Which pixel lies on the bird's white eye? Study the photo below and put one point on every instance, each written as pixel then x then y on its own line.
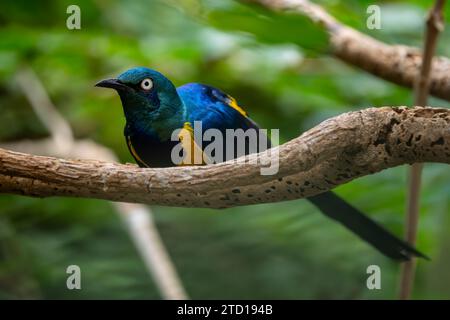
pixel 147 84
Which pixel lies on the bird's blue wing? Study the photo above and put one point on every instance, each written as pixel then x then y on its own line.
pixel 214 108
pixel 218 110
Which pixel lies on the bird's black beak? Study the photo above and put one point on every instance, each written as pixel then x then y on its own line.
pixel 111 83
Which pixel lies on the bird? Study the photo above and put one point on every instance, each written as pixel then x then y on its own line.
pixel 154 108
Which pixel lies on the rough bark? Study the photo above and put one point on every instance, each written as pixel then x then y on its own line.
pixel 334 152
pixel 396 63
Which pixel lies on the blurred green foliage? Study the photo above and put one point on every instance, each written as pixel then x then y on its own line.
pixel 277 67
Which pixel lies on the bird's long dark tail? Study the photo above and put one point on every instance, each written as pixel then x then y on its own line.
pixel 338 209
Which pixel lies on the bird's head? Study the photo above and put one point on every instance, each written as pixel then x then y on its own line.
pixel 146 95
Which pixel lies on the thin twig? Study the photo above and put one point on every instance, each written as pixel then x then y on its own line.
pixel 137 217
pixel 34 91
pixel 434 25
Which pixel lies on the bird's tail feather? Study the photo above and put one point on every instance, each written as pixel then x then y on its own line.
pixel 338 209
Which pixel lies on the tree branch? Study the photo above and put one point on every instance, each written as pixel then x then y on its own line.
pixel 334 152
pixel 395 63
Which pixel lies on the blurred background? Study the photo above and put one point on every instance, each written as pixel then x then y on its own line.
pixel 278 68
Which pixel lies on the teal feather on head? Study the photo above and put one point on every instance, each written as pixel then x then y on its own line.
pixel 150 101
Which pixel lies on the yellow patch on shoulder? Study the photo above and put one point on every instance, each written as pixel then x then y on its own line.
pixel 134 153
pixel 193 153
pixel 233 103
pixel 188 127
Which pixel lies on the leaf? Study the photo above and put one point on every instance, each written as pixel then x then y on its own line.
pixel 270 27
